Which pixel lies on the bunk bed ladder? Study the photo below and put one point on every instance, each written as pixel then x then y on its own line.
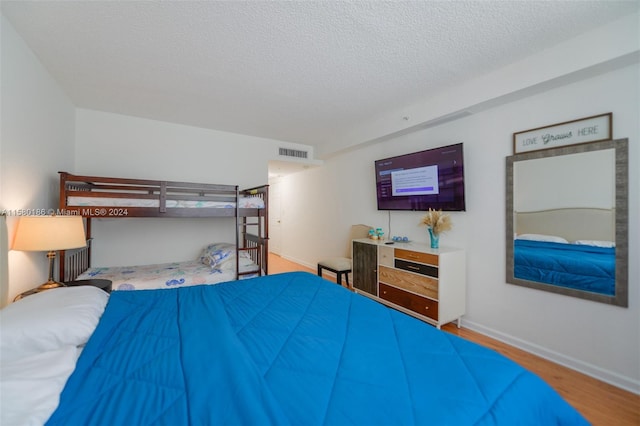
pixel 237 214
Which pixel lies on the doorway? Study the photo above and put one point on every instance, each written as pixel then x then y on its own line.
pixel 275 217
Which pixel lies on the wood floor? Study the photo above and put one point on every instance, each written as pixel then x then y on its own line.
pixel 600 403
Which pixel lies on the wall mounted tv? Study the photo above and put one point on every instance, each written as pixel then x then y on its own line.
pixel 422 180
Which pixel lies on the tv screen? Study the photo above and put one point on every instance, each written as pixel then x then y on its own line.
pixel 431 179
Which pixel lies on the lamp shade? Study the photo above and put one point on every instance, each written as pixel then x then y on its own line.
pixel 49 233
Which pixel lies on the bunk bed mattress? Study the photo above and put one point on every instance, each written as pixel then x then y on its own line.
pixel 243 203
pixel 167 275
pixel 290 349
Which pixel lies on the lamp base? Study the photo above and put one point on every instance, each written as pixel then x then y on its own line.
pixel 50 284
pixel 44 287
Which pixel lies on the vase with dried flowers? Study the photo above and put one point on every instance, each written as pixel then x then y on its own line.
pixel 437 222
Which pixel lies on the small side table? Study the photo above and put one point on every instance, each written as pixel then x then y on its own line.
pixel 101 284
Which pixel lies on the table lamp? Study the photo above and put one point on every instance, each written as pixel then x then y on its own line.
pixel 49 233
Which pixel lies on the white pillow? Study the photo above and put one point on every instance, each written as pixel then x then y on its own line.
pixel 217 255
pixel 541 237
pixel 49 320
pixel 31 386
pixel 595 243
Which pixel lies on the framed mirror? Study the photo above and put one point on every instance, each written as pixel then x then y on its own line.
pixel 567 221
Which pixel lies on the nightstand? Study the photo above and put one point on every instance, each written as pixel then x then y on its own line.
pixel 101 284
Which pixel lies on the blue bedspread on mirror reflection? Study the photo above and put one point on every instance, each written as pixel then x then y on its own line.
pixel 290 349
pixel 579 267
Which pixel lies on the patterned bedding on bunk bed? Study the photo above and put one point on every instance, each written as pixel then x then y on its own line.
pixel 216 264
pixel 290 349
pixel 243 203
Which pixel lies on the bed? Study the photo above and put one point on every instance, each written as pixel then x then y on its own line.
pixel 109 197
pixel 572 248
pixel 281 349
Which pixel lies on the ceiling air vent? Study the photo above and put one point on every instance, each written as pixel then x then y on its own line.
pixel 295 153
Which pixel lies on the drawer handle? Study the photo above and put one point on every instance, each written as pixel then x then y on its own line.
pixel 426 308
pixel 413 256
pixel 415 268
pixel 384 292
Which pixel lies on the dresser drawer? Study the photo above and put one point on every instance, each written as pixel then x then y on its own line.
pixel 416 256
pixel 418 304
pixel 418 268
pixel 420 284
pixel 385 256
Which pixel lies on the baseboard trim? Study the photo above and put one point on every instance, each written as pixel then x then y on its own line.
pixel 313 267
pixel 601 374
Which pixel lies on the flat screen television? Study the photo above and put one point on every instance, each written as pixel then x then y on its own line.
pixel 431 179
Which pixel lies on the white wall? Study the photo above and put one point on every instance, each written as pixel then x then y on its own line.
pixel 599 339
pixel 43 133
pixel 37 140
pixel 123 146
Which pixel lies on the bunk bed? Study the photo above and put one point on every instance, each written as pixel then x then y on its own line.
pixel 109 197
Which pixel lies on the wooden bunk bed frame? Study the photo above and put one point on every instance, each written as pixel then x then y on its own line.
pixel 161 197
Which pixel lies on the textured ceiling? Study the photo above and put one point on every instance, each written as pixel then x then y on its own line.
pixel 304 71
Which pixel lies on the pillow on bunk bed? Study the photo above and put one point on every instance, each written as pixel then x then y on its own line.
pixel 50 320
pixel 221 256
pixel 252 202
pixel 217 253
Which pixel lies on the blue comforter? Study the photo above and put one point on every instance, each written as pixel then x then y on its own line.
pixel 580 267
pixel 290 349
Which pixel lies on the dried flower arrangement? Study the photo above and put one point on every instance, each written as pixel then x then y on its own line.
pixel 437 221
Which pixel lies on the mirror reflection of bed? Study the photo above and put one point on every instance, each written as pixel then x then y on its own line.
pixel 571 247
pixel 567 220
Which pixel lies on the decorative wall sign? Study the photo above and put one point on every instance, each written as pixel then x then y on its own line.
pixel 584 130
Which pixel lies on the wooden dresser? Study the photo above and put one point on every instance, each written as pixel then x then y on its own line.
pixel 427 283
